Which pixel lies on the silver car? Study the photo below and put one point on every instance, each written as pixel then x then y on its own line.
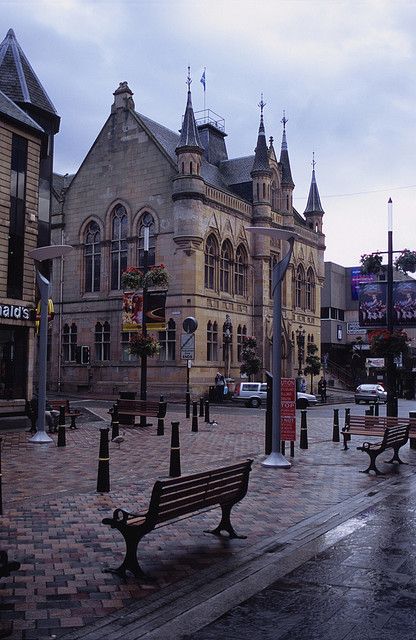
pixel 254 393
pixel 370 393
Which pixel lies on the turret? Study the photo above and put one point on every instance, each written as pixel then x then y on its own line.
pixel 314 211
pixel 287 181
pixel 261 175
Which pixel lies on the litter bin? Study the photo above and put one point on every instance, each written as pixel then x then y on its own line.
pixel 127 395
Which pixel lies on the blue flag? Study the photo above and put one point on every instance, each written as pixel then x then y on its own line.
pixel 203 79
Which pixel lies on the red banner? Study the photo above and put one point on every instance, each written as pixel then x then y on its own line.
pixel 288 409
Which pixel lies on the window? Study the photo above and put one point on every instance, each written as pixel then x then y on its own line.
pixel 92 257
pixel 18 170
pixel 212 341
pixel 147 220
pixel 241 333
pixel 310 290
pixel 126 356
pixel 225 267
pixel 102 341
pixel 69 343
pixel 324 312
pixel 211 253
pixel 118 245
pixel 240 274
pixel 167 340
pixel 299 286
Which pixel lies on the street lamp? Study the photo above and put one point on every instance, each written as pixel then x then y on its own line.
pixel 300 342
pixel 146 222
pixel 227 337
pixel 276 459
pixel 39 255
pixel 391 409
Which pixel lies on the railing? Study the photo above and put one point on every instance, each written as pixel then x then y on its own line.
pixel 344 375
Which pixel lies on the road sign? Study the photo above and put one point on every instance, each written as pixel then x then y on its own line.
pixel 190 325
pixel 188 346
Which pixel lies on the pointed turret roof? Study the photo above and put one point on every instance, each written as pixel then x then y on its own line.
pixel 314 202
pixel 18 80
pixel 261 157
pixel 189 137
pixel 287 179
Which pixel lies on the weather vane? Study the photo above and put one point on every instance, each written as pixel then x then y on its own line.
pixel 188 80
pixel 262 104
pixel 313 160
pixel 284 120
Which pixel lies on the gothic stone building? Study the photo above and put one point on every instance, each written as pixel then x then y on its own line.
pixel 199 203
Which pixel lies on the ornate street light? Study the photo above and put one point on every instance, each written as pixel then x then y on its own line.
pixel 146 222
pixel 276 459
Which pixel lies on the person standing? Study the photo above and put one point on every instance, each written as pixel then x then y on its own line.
pixel 322 389
pixel 219 386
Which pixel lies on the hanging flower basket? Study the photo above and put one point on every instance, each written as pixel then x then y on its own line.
pixel 132 279
pixel 144 345
pixel 384 343
pixel 406 261
pixel 371 263
pixel 157 276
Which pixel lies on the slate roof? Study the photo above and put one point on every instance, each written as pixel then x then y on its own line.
pixel 261 156
pixel 17 78
pixel 284 159
pixel 189 132
pixel 11 111
pixel 314 202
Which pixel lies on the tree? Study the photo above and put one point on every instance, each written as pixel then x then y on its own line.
pixel 313 362
pixel 251 363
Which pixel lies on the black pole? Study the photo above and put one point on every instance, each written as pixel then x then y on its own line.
pixel 303 444
pixel 1 494
pixel 103 478
pixel 175 452
pixel 61 419
pixel 115 424
pixel 195 417
pixel 188 393
pixel 206 410
pixel 335 432
pixel 161 421
pixel 201 407
pixel 143 358
pixel 390 365
pixel 61 436
pixel 268 417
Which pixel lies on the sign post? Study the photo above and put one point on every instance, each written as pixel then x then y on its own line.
pixel 188 353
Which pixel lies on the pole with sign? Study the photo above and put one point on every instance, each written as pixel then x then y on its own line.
pixel 188 353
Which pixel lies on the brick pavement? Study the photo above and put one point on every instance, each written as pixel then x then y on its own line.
pixel 52 514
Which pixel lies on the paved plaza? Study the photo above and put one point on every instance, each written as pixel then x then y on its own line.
pixel 52 516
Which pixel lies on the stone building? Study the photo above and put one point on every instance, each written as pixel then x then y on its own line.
pixel 28 122
pixel 198 203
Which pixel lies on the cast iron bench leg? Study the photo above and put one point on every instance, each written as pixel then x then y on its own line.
pixel 395 457
pixel 130 562
pixel 225 524
pixel 372 466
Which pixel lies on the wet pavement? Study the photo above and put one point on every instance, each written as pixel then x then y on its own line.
pixel 318 528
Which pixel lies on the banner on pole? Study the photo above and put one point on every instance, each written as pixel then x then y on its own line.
pixel 288 410
pixel 133 311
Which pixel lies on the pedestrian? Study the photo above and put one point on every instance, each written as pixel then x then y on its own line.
pixel 322 389
pixel 219 386
pixel 303 385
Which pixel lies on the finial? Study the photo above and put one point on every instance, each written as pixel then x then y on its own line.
pixel 313 160
pixel 271 140
pixel 262 104
pixel 284 120
pixel 188 80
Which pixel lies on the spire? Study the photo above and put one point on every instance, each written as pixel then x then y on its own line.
pixel 18 80
pixel 261 158
pixel 189 133
pixel 314 202
pixel 284 158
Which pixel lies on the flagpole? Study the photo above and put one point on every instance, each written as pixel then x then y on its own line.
pixel 205 106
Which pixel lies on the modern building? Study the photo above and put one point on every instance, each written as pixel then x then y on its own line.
pixel 28 122
pixel 197 203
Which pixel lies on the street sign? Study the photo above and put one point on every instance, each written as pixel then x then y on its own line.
pixel 188 346
pixel 190 325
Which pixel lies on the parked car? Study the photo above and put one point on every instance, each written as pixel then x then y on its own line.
pixel 370 393
pixel 252 394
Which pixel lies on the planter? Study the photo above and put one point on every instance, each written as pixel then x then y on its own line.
pixel 384 343
pixel 406 261
pixel 132 279
pixel 371 263
pixel 141 345
pixel 156 277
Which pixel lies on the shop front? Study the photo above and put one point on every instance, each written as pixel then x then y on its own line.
pixel 16 322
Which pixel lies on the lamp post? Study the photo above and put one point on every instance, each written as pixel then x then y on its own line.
pixel 39 255
pixel 276 459
pixel 390 365
pixel 300 342
pixel 147 221
pixel 228 329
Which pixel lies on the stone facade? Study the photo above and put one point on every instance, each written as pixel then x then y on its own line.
pixel 200 203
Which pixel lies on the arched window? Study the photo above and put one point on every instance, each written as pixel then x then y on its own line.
pixel 300 287
pixel 92 257
pixel 211 254
pixel 69 342
pixel 167 341
pixel 118 245
pixel 310 290
pixel 240 274
pixel 225 267
pixel 241 333
pixel 212 341
pixel 102 341
pixel 147 220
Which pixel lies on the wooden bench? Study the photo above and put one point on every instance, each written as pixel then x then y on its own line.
pixel 151 408
pixel 393 438
pixel 73 414
pixel 6 565
pixel 171 499
pixel 375 426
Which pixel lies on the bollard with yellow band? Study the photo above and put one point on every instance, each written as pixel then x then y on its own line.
pixel 51 314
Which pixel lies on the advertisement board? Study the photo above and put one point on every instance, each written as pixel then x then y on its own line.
pixel 372 304
pixel 288 409
pixel 357 279
pixel 133 311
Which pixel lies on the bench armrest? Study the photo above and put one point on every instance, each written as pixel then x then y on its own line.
pixel 121 516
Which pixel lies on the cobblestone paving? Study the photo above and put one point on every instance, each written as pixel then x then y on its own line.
pixel 52 513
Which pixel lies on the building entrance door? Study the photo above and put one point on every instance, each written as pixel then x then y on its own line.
pixel 13 363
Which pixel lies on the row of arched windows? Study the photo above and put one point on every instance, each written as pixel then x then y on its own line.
pixel 305 288
pixel 225 270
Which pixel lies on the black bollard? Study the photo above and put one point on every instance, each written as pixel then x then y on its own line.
pixel 1 494
pixel 194 417
pixel 412 441
pixel 175 452
pixel 188 404
pixel 61 419
pixel 283 447
pixel 61 436
pixel 206 410
pixel 303 443
pixel 201 407
pixel 115 424
pixel 103 479
pixel 335 432
pixel 347 436
pixel 376 409
pixel 292 448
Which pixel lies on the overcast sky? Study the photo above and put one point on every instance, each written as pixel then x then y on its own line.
pixel 344 72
